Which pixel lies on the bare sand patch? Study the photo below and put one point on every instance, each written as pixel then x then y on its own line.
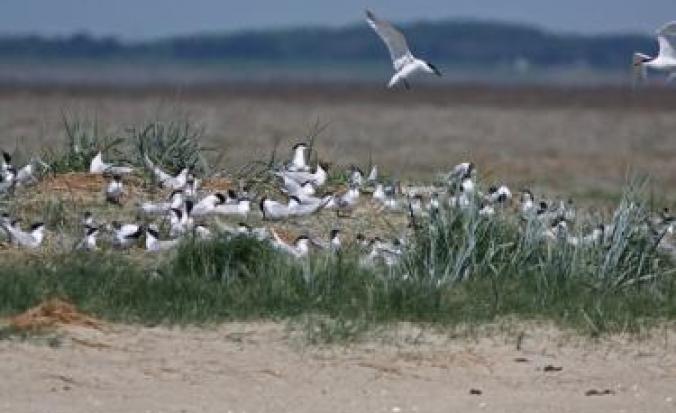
pixel 264 367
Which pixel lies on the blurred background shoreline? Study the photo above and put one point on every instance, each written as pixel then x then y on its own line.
pixel 467 51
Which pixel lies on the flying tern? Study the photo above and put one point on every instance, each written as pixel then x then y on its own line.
pixel 405 64
pixel 665 61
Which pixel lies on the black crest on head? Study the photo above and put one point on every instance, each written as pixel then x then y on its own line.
pixel 37 225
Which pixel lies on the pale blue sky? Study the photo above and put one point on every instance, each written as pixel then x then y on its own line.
pixel 133 19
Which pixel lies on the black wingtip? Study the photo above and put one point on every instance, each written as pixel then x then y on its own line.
pixel 369 14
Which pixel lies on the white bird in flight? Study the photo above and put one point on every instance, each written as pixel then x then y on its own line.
pixel 665 61
pixel 405 64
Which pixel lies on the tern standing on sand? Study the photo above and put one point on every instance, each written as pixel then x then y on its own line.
pixel 405 64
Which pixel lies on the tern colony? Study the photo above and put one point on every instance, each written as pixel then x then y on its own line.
pixel 302 185
pixel 187 209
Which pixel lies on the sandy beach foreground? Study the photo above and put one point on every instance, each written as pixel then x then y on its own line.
pixel 254 367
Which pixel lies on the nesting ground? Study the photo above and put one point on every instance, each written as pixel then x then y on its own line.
pixel 570 143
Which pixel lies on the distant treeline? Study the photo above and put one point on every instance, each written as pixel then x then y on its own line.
pixel 462 42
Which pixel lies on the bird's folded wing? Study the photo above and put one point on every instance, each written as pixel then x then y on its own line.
pixel 393 38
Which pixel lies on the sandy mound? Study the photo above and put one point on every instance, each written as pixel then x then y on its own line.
pixel 53 313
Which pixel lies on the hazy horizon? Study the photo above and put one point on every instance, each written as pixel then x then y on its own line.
pixel 143 19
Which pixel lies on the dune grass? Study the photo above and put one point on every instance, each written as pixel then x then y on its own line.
pixel 459 268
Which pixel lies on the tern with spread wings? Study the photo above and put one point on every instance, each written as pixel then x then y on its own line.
pixel 665 61
pixel 405 64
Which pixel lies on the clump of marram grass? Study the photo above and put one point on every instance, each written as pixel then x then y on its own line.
pixel 174 145
pixel 83 141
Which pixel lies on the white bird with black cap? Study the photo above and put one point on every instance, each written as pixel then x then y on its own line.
pixel 273 210
pixel 308 206
pixel 208 204
pixel 298 162
pixel 125 235
pixel 153 242
pixel 31 239
pixel 665 61
pixel 405 64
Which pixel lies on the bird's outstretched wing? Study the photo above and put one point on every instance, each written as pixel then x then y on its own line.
pixel 393 38
pixel 666 37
